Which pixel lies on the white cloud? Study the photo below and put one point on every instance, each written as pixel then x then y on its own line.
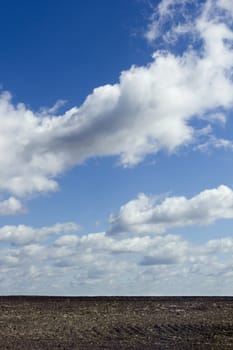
pixel 152 108
pixel 217 143
pixel 96 264
pixel 83 261
pixel 221 245
pixel 21 235
pixel 145 215
pixel 11 206
pixel 218 118
pixel 172 18
pixel 226 5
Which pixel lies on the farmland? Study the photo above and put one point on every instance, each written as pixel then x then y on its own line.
pixel 116 323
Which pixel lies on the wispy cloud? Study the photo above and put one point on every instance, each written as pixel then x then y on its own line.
pixel 215 143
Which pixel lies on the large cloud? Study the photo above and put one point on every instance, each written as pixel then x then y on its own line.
pixel 152 108
pixel 145 215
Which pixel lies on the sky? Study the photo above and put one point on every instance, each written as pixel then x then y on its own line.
pixel 116 147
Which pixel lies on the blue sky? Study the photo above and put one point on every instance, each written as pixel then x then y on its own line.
pixel 116 147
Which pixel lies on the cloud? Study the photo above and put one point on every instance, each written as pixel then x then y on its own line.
pixel 145 215
pixel 96 264
pixel 21 235
pixel 152 108
pixel 217 143
pixel 165 16
pixel 158 260
pixel 82 261
pixel 226 5
pixel 222 245
pixel 11 206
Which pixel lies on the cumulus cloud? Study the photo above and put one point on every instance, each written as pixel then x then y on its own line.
pixel 83 260
pixel 221 245
pixel 11 206
pixel 21 235
pixel 95 263
pixel 151 108
pixel 145 215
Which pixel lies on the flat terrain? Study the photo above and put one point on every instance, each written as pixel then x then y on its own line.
pixel 33 323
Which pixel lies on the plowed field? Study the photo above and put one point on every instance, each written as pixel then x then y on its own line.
pixel 33 323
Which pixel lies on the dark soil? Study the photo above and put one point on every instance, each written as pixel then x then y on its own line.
pixel 140 323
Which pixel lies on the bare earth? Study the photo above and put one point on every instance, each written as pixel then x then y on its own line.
pixel 34 323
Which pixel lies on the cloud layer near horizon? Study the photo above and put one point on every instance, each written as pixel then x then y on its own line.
pixel 60 260
pixel 95 263
pixel 152 108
